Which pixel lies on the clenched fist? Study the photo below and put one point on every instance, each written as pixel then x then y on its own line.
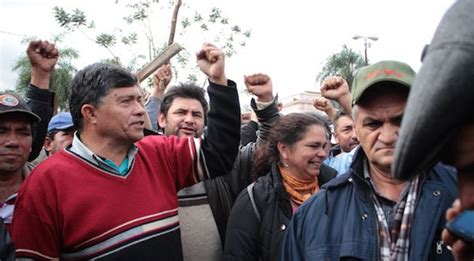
pixel 260 85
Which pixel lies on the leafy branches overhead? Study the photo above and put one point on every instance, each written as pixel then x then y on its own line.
pixel 229 36
pixel 71 20
pixel 142 34
pixel 105 40
pixel 344 64
pixel 139 12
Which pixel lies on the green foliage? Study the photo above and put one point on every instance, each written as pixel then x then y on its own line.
pixel 141 25
pixel 204 27
pixel 230 38
pixel 71 20
pixel 236 29
pixel 344 64
pixel 61 77
pixel 197 17
pixel 185 23
pixel 106 40
pixel 23 67
pixel 215 14
pixel 132 38
pixel 139 12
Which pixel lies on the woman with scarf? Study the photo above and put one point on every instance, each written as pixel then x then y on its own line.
pixel 292 164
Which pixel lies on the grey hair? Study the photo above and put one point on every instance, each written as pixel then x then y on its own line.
pixel 355 112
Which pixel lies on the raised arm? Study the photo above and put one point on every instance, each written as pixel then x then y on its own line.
pixel 265 107
pixel 337 89
pixel 325 105
pixel 221 142
pixel 161 80
pixel 43 56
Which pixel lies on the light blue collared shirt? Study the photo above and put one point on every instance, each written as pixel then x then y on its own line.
pixel 342 162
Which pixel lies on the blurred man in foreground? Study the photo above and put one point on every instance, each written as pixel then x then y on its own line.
pixel 440 114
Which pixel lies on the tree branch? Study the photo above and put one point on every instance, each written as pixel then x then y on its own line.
pixel 174 20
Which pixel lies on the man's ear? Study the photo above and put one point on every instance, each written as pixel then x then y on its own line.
pixel 47 144
pixel 162 120
pixel 88 113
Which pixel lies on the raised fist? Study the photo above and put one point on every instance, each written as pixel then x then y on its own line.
pixel 211 61
pixel 162 77
pixel 323 104
pixel 334 88
pixel 260 85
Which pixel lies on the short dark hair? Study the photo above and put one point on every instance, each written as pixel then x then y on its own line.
pixel 340 114
pixel 93 83
pixel 187 91
pixel 289 129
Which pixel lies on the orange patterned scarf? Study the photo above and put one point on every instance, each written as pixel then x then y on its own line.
pixel 300 190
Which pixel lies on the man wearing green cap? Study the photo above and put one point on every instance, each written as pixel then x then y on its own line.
pixel 366 214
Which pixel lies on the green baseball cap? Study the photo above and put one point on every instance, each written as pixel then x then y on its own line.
pixel 390 71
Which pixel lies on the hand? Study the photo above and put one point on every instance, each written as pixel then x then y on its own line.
pixel 260 85
pixel 334 88
pixel 323 104
pixel 461 249
pixel 162 78
pixel 42 55
pixel 245 117
pixel 211 61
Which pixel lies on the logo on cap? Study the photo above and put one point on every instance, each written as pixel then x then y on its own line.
pixel 8 100
pixel 386 72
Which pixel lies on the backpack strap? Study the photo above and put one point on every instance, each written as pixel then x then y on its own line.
pixel 252 200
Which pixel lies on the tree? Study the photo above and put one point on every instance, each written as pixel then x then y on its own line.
pixel 61 77
pixel 344 64
pixel 136 29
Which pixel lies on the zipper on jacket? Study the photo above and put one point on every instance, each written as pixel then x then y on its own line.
pixel 439 247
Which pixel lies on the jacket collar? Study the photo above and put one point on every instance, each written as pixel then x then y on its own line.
pixel 357 165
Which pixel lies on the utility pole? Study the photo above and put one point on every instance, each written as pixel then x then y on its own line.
pixel 366 44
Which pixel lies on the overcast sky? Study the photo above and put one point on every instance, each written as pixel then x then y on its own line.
pixel 290 39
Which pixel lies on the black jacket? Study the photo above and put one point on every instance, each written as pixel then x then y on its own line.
pixel 249 239
pixel 248 133
pixel 41 103
pixel 223 191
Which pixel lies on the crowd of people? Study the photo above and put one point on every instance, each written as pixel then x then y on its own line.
pixel 180 176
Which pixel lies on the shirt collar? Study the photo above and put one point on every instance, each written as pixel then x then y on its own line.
pixel 374 188
pixel 82 150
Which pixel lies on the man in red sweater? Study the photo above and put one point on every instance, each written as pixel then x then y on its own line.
pixel 111 194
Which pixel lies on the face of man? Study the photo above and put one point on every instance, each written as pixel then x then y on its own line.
pixel 377 125
pixel 185 117
pixel 15 143
pixel 60 140
pixel 345 133
pixel 120 115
